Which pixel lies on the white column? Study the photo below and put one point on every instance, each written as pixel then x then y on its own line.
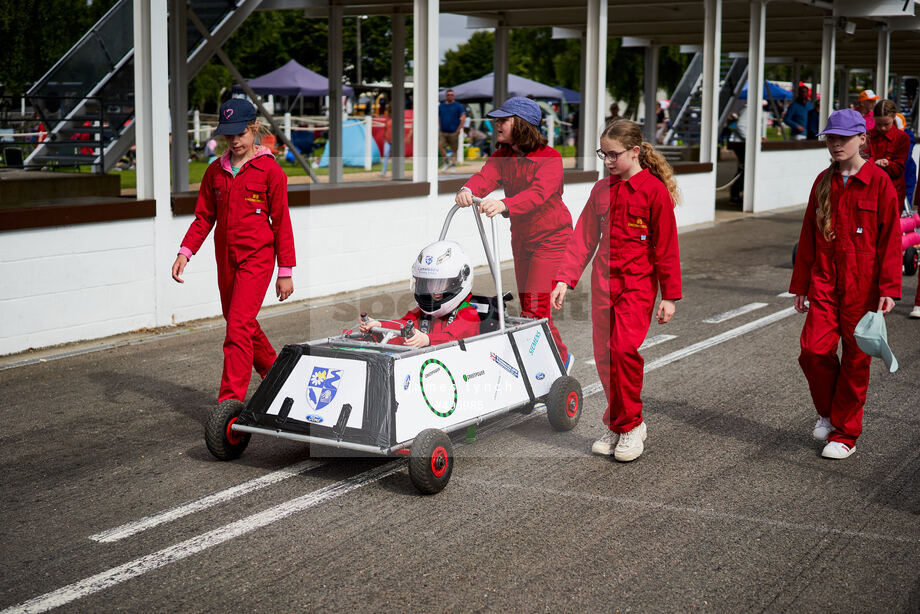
pixel 398 102
pixel 287 126
pixel 754 100
pixel 500 66
pixel 178 94
pixel 368 131
pixel 828 58
pixel 712 62
pixel 336 172
pixel 882 62
pixel 550 131
pixel 196 123
pixel 425 93
pixel 651 92
pixel 151 119
pixel 593 97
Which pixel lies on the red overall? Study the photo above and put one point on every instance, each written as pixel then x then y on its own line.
pixel 893 146
pixel 540 223
pixel 843 279
pixel 464 322
pixel 632 225
pixel 253 227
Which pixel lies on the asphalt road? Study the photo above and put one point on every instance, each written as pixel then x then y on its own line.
pixel 112 502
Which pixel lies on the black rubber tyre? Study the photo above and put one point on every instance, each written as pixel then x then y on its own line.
pixel 431 461
pixel 794 249
pixel 911 260
pixel 563 403
pixel 223 443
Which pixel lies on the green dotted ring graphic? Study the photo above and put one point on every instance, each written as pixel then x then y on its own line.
pixel 421 379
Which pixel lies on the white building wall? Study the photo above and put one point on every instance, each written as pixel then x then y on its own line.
pixel 784 178
pixel 698 198
pixel 87 281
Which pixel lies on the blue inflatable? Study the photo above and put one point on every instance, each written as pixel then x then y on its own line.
pixel 353 135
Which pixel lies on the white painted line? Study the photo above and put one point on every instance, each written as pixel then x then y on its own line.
pixel 728 315
pixel 173 513
pixel 786 295
pixel 708 343
pixel 187 548
pixel 695 511
pixel 649 342
pixel 702 345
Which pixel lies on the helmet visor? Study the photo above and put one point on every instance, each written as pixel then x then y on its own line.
pixel 426 286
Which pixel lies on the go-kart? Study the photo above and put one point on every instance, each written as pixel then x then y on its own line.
pixel 353 392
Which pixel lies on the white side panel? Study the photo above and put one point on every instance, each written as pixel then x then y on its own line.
pixel 539 360
pixel 320 387
pixel 449 386
pixel 784 178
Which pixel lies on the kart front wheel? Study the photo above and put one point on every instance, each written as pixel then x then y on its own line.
pixel 223 442
pixel 911 260
pixel 431 461
pixel 563 403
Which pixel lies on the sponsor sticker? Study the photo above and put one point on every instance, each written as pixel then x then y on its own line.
pixel 406 382
pixel 439 390
pixel 535 341
pixel 539 376
pixel 322 387
pixel 314 419
pixel 504 365
pixel 468 376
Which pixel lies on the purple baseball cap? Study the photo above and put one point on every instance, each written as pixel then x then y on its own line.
pixel 845 122
pixel 234 116
pixel 525 108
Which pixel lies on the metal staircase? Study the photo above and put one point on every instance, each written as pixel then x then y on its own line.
pixel 685 110
pixel 87 98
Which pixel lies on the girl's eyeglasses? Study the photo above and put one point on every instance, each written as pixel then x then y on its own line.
pixel 610 155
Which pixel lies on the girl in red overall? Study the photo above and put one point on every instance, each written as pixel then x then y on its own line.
pixel 244 192
pixel 629 220
pixel 531 175
pixel 847 263
pixel 889 146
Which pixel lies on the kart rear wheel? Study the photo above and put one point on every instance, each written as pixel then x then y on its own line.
pixel 563 403
pixel 223 443
pixel 911 260
pixel 431 461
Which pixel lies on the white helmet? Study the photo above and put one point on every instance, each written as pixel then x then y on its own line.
pixel 441 278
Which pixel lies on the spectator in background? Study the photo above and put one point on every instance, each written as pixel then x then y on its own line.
pixel 811 127
pixel 866 104
pixel 796 116
pixel 614 112
pixel 736 143
pixel 910 167
pixel 661 120
pixel 451 115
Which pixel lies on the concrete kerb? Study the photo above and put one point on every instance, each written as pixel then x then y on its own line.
pixel 76 348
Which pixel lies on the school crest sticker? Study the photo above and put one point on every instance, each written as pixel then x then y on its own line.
pixel 322 387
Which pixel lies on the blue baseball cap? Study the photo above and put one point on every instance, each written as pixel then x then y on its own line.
pixel 845 122
pixel 525 108
pixel 234 116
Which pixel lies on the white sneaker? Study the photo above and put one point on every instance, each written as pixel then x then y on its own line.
pixel 823 428
pixel 915 313
pixel 630 446
pixel 605 445
pixel 837 450
pixel 444 166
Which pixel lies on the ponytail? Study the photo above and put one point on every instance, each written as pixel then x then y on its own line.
pixel 823 215
pixel 629 135
pixel 650 158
